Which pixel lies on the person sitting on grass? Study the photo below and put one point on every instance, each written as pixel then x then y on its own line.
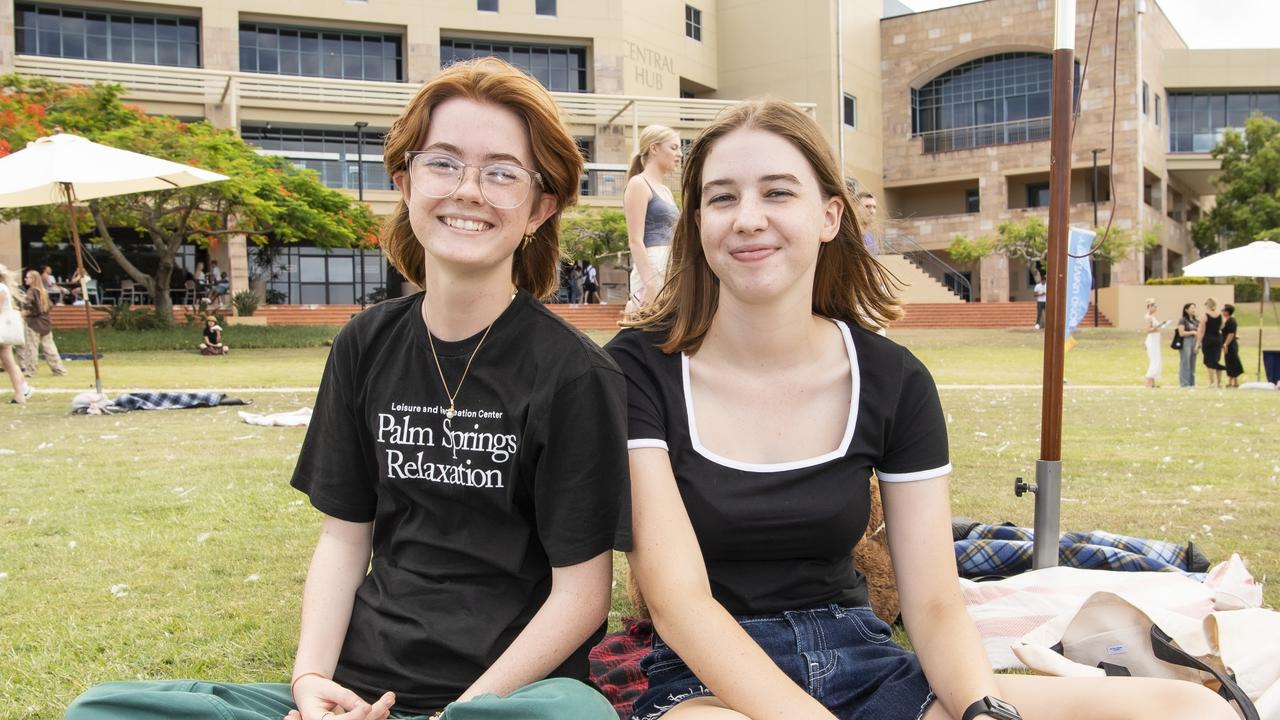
pixel 467 452
pixel 213 344
pixel 745 505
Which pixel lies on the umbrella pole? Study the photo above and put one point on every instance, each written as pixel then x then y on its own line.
pixel 1262 317
pixel 88 313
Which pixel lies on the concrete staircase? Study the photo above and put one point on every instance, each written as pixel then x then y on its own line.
pixel 920 286
pixel 979 315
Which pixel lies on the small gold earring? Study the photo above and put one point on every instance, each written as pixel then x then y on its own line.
pixel 528 238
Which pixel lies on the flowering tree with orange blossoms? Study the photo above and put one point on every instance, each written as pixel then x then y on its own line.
pixel 265 200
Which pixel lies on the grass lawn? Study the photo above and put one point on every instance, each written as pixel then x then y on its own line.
pixel 169 544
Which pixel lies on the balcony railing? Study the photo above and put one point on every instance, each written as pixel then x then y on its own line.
pixel 153 82
pixel 976 136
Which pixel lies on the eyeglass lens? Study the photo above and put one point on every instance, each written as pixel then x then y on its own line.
pixel 503 185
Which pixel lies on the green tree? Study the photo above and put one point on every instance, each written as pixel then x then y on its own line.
pixel 1248 201
pixel 965 250
pixel 266 198
pixel 1118 244
pixel 590 233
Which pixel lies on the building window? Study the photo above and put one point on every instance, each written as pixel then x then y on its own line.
pixel 114 36
pixel 850 110
pixel 972 201
pixel 1157 109
pixel 344 54
pixel 301 274
pixel 1197 120
pixel 545 7
pixel 693 22
pixel 487 5
pixel 1146 91
pixel 994 100
pixel 557 67
pixel 1037 195
pixel 330 152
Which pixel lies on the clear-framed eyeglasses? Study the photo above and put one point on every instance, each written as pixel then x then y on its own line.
pixel 438 175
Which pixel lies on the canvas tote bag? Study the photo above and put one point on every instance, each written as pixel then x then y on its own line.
pixel 1113 635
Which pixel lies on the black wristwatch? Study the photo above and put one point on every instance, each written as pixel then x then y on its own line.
pixel 991 707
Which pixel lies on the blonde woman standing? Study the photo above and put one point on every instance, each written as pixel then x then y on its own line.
pixel 651 212
pixel 11 329
pixel 39 329
pixel 1152 326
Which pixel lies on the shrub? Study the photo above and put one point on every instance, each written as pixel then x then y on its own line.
pixel 245 302
pixel 1251 291
pixel 1178 281
pixel 128 317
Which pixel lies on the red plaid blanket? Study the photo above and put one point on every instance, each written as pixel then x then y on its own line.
pixel 615 664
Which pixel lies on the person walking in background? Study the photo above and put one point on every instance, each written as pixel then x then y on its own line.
pixel 575 283
pixel 1209 342
pixel 591 283
pixel 1231 346
pixel 1153 326
pixel 651 212
pixel 870 206
pixel 1186 332
pixel 12 334
pixel 39 329
pixel 1042 297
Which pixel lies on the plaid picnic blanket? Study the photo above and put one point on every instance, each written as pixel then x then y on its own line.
pixel 1004 550
pixel 615 664
pixel 167 400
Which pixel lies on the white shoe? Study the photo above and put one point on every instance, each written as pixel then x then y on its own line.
pixel 27 390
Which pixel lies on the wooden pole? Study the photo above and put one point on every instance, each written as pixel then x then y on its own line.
pixel 1049 468
pixel 70 194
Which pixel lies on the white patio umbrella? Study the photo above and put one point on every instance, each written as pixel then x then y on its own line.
pixel 64 169
pixel 1260 259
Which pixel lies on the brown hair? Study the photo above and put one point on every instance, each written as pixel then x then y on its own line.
pixel 35 283
pixel 555 156
pixel 848 284
pixel 650 136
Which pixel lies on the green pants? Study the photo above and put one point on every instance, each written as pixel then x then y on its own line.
pixel 200 700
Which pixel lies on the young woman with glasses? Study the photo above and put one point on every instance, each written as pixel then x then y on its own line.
pixel 467 448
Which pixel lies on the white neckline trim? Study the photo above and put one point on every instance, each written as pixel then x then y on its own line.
pixel 836 454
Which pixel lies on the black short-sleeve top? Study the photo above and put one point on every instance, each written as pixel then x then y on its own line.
pixel 779 536
pixel 470 512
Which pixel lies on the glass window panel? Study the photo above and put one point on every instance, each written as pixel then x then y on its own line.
pixel 72 45
pixel 267 38
pixel 95 47
pixel 187 32
pixel 1218 111
pixel 352 67
pixel 545 7
pixel 342 295
pixel 289 64
pixel 248 59
pixel 309 42
pixel 1038 105
pixel 313 294
pixel 248 38
pixel 121 49
pixel 144 32
pixel 1269 104
pixel 309 64
pixel 48 19
pixel 167 30
pixel 311 268
pixel 372 68
pixel 144 52
pixel 1237 109
pixel 289 40
pixel 341 270
pixel 268 60
pixel 166 53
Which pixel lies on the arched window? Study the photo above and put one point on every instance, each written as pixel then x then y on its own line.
pixel 993 100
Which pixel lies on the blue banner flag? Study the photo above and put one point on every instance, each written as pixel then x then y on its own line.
pixel 1079 276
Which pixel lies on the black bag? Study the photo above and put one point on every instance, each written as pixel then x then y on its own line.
pixel 1177 339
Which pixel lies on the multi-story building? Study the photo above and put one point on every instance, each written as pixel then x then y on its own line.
pixel 966 116
pixel 321 88
pixel 943 114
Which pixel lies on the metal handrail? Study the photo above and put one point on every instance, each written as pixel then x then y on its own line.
pixel 903 244
pixel 985 135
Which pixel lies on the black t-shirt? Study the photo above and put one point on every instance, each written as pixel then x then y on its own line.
pixel 470 513
pixel 778 537
pixel 1229 328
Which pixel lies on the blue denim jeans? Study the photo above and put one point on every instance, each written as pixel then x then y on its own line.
pixel 1187 363
pixel 843 657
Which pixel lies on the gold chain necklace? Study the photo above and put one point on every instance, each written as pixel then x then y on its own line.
pixel 452 395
